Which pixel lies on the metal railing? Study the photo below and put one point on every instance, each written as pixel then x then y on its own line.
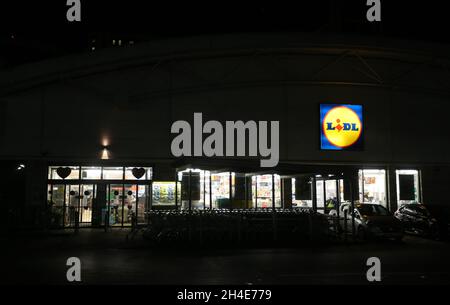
pixel 234 226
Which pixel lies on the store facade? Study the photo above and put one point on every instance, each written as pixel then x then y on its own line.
pixel 122 196
pixel 111 113
pixel 206 189
pixel 98 196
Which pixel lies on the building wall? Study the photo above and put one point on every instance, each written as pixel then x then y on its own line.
pixel 399 127
pixel 67 108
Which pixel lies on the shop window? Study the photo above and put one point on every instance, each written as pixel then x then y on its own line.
pixel 360 187
pixel 163 194
pixel 178 199
pixel 372 186
pixel 204 184
pixel 113 173
pixel 97 173
pixel 64 172
pixel 143 202
pixel 207 178
pixel 320 194
pixel 56 203
pixel 56 195
pixel 193 184
pixel 241 190
pixel 236 187
pixel 51 173
pixel 49 195
pixel 407 186
pixel 254 192
pixel 138 173
pixel 220 190
pixel 341 190
pixel 72 207
pixel 331 195
pixel 301 192
pixel 262 191
pixel 277 190
pixel 91 173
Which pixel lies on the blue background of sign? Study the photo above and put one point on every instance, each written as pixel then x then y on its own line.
pixel 324 143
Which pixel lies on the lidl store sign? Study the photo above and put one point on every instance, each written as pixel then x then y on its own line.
pixel 341 127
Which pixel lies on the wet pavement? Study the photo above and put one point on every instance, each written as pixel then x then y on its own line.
pixel 108 258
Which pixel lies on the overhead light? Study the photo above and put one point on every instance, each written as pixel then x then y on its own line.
pixel 105 142
pixel 105 153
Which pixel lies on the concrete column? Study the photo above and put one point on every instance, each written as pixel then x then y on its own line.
pixel 391 189
pixel 287 192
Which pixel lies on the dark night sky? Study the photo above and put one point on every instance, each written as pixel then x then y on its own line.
pixel 39 29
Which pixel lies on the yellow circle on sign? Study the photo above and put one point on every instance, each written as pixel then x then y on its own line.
pixel 342 126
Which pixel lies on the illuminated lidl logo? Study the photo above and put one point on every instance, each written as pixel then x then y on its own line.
pixel 341 127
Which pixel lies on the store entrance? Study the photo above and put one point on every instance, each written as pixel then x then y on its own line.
pixel 71 205
pixel 97 205
pixel 123 205
pixel 330 194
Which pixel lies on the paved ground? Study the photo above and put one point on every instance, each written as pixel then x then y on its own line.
pixel 108 259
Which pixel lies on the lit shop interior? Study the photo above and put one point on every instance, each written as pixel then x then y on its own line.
pixel 218 190
pixel 119 196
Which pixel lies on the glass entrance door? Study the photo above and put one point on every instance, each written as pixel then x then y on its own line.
pixel 56 205
pixel 143 203
pixel 71 203
pixel 87 197
pixel 114 215
pixel 100 206
pixel 124 204
pixel 329 194
pixel 130 203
